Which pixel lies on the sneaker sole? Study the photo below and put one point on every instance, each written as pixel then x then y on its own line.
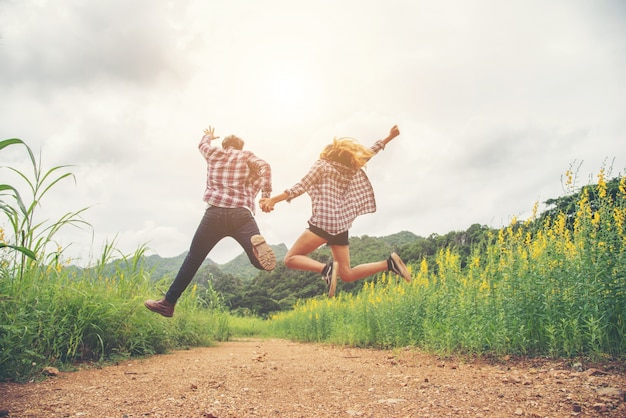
pixel 263 252
pixel 333 280
pixel 404 272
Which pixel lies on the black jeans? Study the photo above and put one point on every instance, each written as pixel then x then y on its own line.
pixel 217 223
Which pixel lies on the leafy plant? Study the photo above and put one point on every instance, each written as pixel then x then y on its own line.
pixel 30 235
pixel 551 285
pixel 55 314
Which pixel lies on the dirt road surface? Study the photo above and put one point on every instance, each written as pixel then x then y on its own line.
pixel 278 378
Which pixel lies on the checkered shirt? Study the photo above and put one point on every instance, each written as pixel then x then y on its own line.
pixel 338 194
pixel 234 177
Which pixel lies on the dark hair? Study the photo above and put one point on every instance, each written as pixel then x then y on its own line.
pixel 232 141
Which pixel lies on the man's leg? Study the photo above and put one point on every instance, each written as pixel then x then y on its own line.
pixel 245 231
pixel 208 234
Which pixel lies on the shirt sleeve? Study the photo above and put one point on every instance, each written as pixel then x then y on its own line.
pixel 263 172
pixel 313 176
pixel 378 146
pixel 205 146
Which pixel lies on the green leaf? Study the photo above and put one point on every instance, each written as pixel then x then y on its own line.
pixel 23 250
pixel 5 143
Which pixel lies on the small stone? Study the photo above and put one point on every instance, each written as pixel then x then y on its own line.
pixel 595 372
pixel 610 392
pixel 600 407
pixel 50 371
pixel 390 401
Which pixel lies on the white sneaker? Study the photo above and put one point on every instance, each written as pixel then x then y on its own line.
pixel 330 277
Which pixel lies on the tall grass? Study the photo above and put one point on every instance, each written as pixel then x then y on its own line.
pixel 55 314
pixel 552 287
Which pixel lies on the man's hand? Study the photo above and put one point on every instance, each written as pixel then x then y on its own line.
pixel 210 133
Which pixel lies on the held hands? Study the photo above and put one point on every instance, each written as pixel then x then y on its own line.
pixel 266 204
pixel 210 133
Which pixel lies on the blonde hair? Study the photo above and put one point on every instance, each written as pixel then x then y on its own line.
pixel 348 152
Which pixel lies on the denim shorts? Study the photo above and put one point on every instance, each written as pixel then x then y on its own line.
pixel 339 239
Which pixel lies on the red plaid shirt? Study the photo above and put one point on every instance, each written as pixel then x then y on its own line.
pixel 338 194
pixel 234 177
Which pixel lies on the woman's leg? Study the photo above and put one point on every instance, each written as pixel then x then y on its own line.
pixel 341 254
pixel 297 256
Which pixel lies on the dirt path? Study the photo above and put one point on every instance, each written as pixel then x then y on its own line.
pixel 276 378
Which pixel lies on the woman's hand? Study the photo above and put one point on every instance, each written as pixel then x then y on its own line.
pixel 394 131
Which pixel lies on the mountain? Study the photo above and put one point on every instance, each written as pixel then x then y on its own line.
pixel 240 266
pixel 363 249
pixel 168 267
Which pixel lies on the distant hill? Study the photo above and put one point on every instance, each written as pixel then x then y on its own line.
pixel 363 249
pixel 239 266
pixel 168 267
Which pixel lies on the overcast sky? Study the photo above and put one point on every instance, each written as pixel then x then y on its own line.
pixel 495 100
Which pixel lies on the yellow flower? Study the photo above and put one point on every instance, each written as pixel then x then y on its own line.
pixel 475 263
pixel 619 216
pixel 533 215
pixel 595 220
pixel 601 184
pixel 569 178
pixel 559 224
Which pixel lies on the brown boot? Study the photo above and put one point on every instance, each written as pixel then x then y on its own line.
pixel 263 252
pixel 162 307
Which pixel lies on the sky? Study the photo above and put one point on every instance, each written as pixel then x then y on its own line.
pixel 495 101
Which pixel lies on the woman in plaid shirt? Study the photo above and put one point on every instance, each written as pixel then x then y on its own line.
pixel 340 191
pixel 234 178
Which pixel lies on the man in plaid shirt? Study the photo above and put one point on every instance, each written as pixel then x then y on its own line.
pixel 340 191
pixel 234 178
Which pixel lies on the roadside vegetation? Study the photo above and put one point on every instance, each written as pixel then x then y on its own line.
pixel 551 285
pixel 53 314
